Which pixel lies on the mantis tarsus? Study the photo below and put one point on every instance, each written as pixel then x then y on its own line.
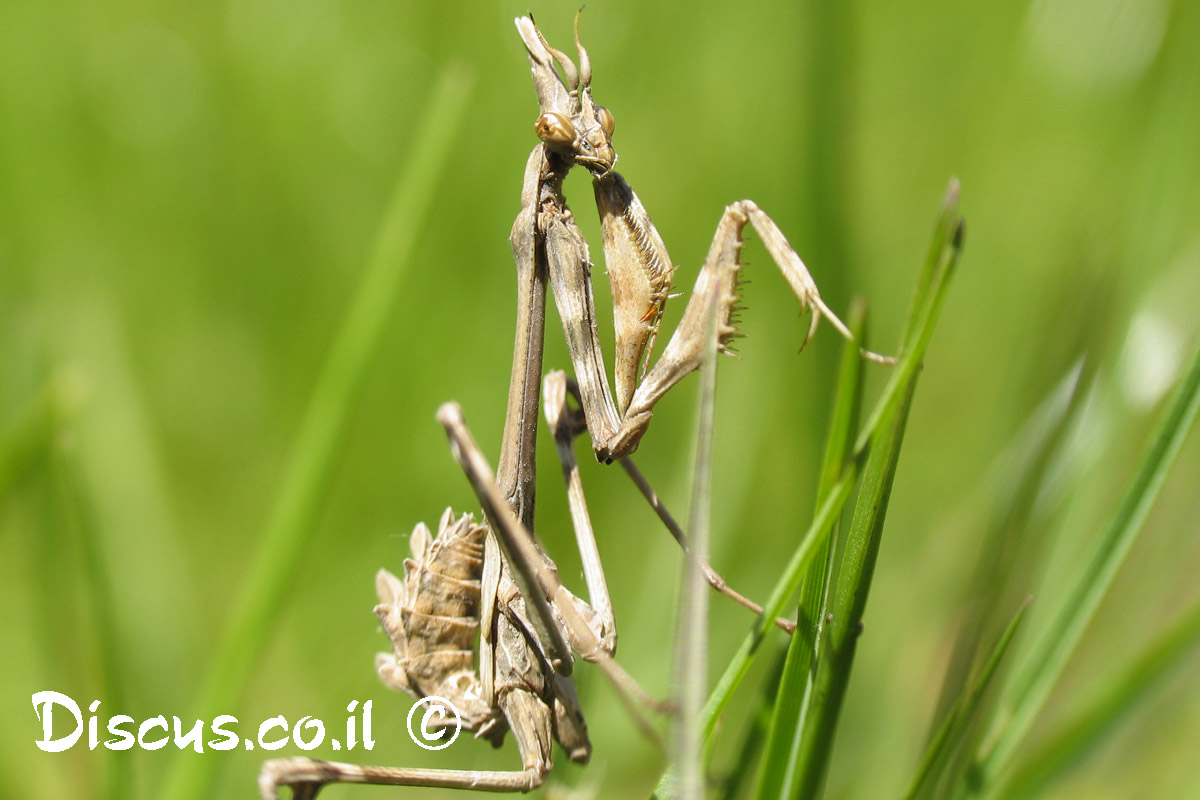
pixel 496 579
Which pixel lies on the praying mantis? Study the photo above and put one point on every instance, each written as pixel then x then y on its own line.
pixel 493 580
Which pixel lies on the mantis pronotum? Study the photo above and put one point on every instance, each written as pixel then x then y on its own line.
pixel 496 579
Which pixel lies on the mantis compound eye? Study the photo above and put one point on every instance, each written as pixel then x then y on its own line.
pixel 605 118
pixel 554 128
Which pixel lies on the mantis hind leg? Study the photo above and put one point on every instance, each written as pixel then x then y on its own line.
pixel 306 777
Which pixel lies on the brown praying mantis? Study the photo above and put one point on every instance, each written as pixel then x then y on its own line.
pixel 493 581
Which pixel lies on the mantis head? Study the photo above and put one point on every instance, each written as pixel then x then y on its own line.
pixel 570 124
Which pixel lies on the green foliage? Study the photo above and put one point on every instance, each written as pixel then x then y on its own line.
pixel 800 744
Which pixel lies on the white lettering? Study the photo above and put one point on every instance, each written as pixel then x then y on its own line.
pixel 368 742
pixel 312 724
pixel 47 700
pixel 93 736
pixel 273 722
pixel 154 722
pixel 192 738
pixel 114 727
pixel 231 738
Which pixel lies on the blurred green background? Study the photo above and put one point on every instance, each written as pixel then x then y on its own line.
pixel 189 197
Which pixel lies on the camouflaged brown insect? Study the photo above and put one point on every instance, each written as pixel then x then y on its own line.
pixel 528 623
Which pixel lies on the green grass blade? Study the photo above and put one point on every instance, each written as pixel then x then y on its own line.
pixel 882 436
pixel 785 588
pixel 796 682
pixel 27 439
pixel 1066 747
pixel 310 465
pixel 940 261
pixel 692 661
pixel 1013 539
pixel 1048 657
pixel 946 230
pixel 847 405
pixel 746 761
pixel 949 737
pixel 944 250
pixel 849 601
pixel 80 519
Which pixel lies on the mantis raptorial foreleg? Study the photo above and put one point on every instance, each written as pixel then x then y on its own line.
pixel 718 281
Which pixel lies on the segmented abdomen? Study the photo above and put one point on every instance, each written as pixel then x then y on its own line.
pixel 432 616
